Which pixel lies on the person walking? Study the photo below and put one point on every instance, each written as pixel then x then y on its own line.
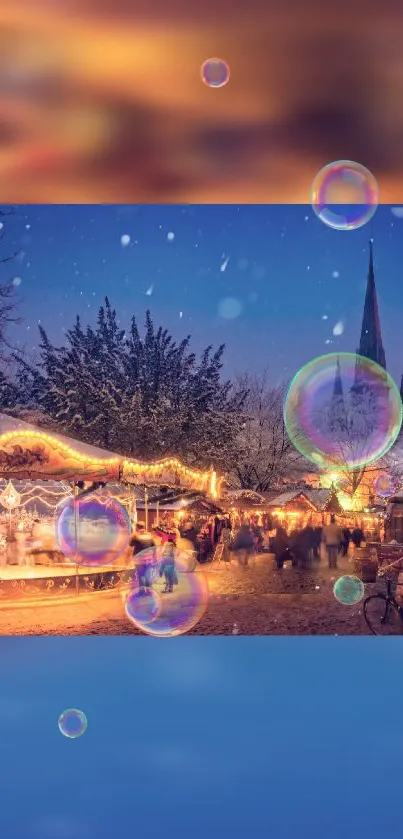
pixel 21 546
pixel 332 537
pixel 167 566
pixel 301 547
pixel 346 540
pixel 357 537
pixel 204 545
pixel 316 543
pixel 226 542
pixel 144 552
pixel 281 546
pixel 243 545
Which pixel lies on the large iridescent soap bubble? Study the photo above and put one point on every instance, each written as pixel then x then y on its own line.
pixel 344 195
pixel 164 599
pixel 215 72
pixel 93 531
pixel 349 590
pixel 342 411
pixel 72 723
pixel 385 485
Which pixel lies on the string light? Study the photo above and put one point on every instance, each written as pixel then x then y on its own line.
pixel 57 444
pixel 47 491
pixel 122 467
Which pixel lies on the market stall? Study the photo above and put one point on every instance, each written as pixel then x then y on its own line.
pixel 41 473
pixel 296 509
pixel 246 507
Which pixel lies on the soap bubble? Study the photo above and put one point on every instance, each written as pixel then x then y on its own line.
pixel 143 606
pixel 344 195
pixel 349 590
pixel 72 723
pixel 174 597
pixel 93 531
pixel 215 72
pixel 385 485
pixel 342 411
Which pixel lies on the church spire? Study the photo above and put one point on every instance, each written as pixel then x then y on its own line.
pixel 338 384
pixel 371 338
pixel 337 418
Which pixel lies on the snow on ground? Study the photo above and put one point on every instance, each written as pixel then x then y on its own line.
pixel 258 600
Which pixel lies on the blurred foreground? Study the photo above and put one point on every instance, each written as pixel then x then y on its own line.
pixel 103 102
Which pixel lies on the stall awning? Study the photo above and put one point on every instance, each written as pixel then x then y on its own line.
pixel 31 453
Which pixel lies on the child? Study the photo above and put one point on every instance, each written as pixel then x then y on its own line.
pixel 167 567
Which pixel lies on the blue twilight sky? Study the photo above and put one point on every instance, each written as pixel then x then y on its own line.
pixel 271 282
pixel 195 737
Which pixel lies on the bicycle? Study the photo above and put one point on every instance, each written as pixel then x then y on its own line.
pixel 383 614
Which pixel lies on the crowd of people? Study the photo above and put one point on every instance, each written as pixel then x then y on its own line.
pixel 198 542
pixel 303 547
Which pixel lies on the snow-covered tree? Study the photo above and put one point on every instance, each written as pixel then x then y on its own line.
pixel 147 397
pixel 266 455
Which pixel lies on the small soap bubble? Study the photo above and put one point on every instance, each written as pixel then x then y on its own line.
pixel 344 195
pixel 215 72
pixel 385 485
pixel 143 606
pixel 125 240
pixel 349 590
pixel 72 723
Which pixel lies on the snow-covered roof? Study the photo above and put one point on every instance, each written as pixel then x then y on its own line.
pixel 288 497
pixel 9 424
pixel 319 497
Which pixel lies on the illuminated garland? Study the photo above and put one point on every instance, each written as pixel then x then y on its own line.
pixel 169 470
pixel 57 444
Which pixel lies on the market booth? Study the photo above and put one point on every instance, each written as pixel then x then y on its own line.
pixel 41 472
pixel 296 509
pixel 170 509
pixel 246 507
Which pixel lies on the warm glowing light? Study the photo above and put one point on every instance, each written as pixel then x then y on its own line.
pixel 213 484
pixel 10 498
pixel 168 471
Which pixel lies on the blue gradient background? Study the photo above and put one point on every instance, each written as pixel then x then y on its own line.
pixel 201 737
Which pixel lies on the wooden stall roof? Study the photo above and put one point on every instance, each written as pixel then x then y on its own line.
pixel 287 500
pixel 318 500
pixel 189 504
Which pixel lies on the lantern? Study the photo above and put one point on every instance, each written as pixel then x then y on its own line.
pixel 10 499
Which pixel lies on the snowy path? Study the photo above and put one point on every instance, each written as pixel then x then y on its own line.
pixel 258 600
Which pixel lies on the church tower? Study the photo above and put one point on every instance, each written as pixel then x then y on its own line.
pixel 338 419
pixel 371 338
